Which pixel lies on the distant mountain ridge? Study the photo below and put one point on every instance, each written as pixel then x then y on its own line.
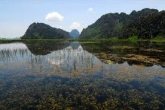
pixel 145 24
pixel 44 31
pixel 74 33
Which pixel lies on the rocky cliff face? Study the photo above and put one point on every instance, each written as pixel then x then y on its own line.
pixel 44 31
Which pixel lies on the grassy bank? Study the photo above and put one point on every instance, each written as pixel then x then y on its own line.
pixel 113 39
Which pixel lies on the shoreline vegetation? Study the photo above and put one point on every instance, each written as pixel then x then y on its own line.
pixel 115 39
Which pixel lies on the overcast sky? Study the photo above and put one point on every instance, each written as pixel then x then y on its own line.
pixel 17 15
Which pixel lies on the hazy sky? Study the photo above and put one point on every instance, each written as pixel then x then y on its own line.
pixel 17 15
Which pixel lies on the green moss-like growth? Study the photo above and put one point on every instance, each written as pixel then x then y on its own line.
pixel 133 38
pixel 159 38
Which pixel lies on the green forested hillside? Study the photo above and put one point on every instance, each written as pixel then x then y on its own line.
pixel 43 31
pixel 147 23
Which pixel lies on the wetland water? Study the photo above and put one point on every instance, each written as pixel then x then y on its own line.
pixel 78 76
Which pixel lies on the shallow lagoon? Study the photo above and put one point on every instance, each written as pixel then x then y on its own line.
pixel 80 75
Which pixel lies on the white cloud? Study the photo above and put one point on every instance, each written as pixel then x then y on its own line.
pixel 54 16
pixel 75 25
pixel 90 9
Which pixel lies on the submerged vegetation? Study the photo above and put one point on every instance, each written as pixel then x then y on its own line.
pixel 138 52
pixel 90 92
pixel 97 75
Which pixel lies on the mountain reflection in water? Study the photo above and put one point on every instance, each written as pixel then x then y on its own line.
pixel 69 58
pixel 73 75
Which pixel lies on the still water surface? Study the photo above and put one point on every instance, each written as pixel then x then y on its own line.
pixel 73 75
